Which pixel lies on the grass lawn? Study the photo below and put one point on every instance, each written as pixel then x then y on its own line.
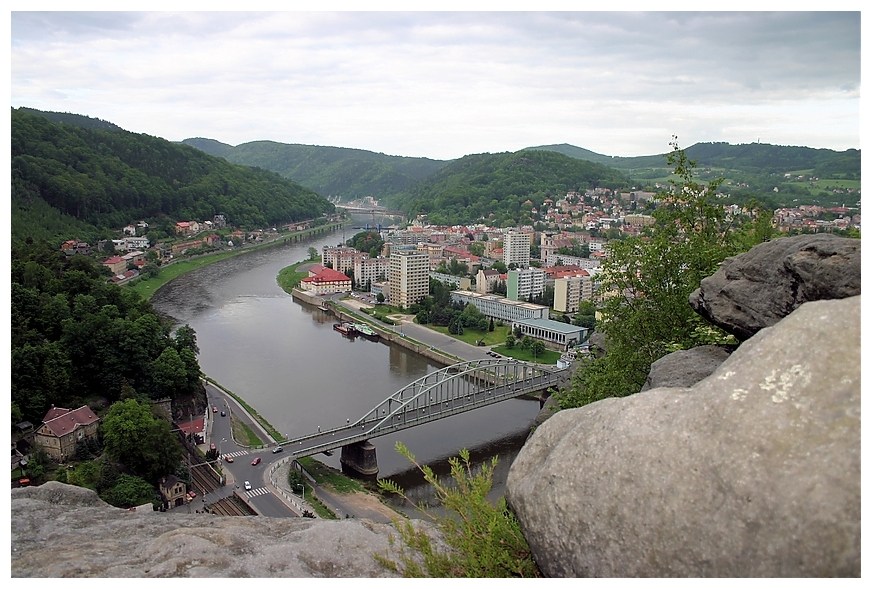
pixel 546 357
pixel 289 278
pixel 472 336
pixel 324 475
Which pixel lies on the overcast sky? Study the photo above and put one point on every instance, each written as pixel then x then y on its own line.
pixel 446 84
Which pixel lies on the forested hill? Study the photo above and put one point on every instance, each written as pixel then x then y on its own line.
pixel 750 158
pixel 337 171
pixel 497 187
pixel 74 176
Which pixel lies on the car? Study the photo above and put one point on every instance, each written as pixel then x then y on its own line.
pixel 247 486
pixel 228 459
pixel 192 494
pixel 214 409
pixel 223 414
pixel 277 449
pixel 256 461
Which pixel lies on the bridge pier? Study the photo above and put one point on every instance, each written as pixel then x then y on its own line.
pixel 360 459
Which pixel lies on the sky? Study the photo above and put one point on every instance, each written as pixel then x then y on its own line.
pixel 449 83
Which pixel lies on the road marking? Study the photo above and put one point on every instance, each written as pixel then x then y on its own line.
pixel 255 492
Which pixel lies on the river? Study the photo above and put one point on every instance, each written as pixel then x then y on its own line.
pixel 284 358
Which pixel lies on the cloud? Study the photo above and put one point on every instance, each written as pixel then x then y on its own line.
pixel 449 83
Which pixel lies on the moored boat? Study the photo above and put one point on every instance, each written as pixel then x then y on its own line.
pixel 345 328
pixel 365 330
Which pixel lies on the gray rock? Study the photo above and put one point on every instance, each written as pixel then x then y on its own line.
pixel 65 531
pixel 685 368
pixel 765 284
pixel 753 472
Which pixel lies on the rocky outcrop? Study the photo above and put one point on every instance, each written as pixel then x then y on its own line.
pixel 65 531
pixel 685 368
pixel 756 289
pixel 752 472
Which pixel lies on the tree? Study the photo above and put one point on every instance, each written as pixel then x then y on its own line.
pixel 313 253
pixel 537 347
pixel 169 374
pixel 380 298
pixel 647 280
pixel 510 341
pixel 140 440
pixel 490 325
pixel 129 491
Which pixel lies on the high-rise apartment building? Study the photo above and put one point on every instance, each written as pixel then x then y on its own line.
pixel 525 283
pixel 516 248
pixel 409 276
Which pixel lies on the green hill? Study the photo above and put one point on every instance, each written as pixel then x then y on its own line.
pixel 70 175
pixel 337 171
pixel 497 187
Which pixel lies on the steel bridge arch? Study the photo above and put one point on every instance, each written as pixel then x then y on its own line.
pixel 448 391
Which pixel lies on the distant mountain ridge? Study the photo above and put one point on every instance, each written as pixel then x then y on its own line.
pixel 329 171
pixel 74 176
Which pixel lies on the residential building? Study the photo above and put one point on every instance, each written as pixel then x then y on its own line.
pixel 342 258
pixel 63 430
pixel 516 248
pixel 499 307
pixel 557 333
pixel 409 276
pixel 173 491
pixel 116 264
pixel 371 270
pixel 569 291
pixel 525 283
pixel 486 280
pixel 321 281
pixel 452 281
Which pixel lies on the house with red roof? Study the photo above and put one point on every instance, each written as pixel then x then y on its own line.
pixel 116 264
pixel 323 280
pixel 63 430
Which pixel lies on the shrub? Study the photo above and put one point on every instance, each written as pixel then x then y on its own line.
pixel 481 539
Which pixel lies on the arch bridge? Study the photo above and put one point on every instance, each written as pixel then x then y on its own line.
pixel 449 391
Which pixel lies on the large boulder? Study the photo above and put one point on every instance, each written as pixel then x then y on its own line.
pixel 685 368
pixel 765 284
pixel 65 531
pixel 752 472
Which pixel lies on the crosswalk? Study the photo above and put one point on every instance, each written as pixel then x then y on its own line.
pixel 235 454
pixel 255 492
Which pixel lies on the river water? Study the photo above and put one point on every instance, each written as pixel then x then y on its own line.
pixel 284 358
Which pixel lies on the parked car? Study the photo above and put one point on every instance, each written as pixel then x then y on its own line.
pixel 192 494
pixel 256 461
pixel 247 486
pixel 277 449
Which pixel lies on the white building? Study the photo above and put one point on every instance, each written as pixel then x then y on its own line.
pixel 409 276
pixel 342 258
pixel 558 333
pixel 371 269
pixel 516 248
pixel 500 308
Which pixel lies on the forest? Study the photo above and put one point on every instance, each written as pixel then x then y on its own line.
pixel 77 176
pixel 496 188
pixel 78 339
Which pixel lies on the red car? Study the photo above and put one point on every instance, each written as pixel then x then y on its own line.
pixel 214 409
pixel 256 461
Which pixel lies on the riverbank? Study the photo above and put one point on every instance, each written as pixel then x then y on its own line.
pixel 147 287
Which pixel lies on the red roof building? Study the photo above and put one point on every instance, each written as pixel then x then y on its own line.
pixel 323 280
pixel 63 430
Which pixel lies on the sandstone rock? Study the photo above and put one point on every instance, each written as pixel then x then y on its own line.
pixel 758 288
pixel 753 472
pixel 65 531
pixel 685 368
